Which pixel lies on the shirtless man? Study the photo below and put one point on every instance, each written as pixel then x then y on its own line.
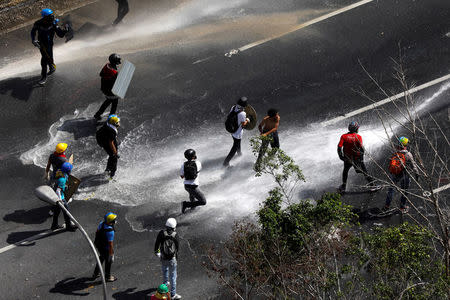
pixel 268 128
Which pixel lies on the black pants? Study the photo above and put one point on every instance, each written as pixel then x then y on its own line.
pixel 359 166
pixel 104 255
pixel 110 100
pixel 122 10
pixel 194 194
pixel 111 165
pixel 274 143
pixel 46 59
pixel 56 212
pixel 236 148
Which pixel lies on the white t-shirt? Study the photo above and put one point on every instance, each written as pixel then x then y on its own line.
pixel 241 117
pixel 195 181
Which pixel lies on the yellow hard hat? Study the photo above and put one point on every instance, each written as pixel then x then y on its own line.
pixel 403 140
pixel 114 120
pixel 61 147
pixel 110 217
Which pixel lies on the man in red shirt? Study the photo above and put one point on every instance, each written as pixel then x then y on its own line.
pixel 109 75
pixel 351 151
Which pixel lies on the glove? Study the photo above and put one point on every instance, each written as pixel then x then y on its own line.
pixel 341 157
pixel 158 254
pixel 111 258
pixel 36 44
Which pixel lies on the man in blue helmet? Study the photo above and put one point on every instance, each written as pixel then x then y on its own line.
pixel 46 28
pixel 62 175
pixel 104 242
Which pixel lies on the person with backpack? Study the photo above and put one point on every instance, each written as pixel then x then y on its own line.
pixel 399 163
pixel 268 128
pixel 104 242
pixel 107 139
pixel 161 293
pixel 108 77
pixel 351 151
pixel 61 178
pixel 166 248
pixel 189 172
pixel 234 124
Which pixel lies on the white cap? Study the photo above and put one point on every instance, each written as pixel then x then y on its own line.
pixel 171 223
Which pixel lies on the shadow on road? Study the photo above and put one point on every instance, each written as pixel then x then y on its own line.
pixel 80 127
pixel 74 286
pixel 130 294
pixel 32 216
pixel 21 88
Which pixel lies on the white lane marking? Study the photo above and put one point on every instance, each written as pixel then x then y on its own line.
pixel 202 60
pixel 387 100
pixel 26 241
pixel 300 26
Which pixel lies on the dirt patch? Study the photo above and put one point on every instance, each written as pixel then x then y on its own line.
pixel 16 13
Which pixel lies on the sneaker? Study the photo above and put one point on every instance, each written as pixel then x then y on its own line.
pixel 404 209
pixel 183 207
pixel 95 276
pixel 176 296
pixel 56 227
pixel 111 279
pixel 71 228
pixel 42 81
pixel 51 71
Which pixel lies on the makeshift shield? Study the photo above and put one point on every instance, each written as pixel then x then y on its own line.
pixel 123 79
pixel 251 115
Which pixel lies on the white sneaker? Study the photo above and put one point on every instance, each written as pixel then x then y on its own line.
pixel 176 296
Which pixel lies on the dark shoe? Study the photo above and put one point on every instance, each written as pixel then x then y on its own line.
pixel 56 227
pixel 42 81
pixel 110 278
pixel 183 207
pixel 342 188
pixel 71 227
pixel 51 71
pixel 95 276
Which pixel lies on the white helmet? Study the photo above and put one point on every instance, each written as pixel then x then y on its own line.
pixel 171 223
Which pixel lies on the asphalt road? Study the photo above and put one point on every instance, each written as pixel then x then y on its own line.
pixel 180 94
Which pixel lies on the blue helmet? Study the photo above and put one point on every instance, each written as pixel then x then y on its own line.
pixel 67 167
pixel 46 12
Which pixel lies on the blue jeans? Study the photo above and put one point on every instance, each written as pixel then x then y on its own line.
pixel 169 270
pixel 404 180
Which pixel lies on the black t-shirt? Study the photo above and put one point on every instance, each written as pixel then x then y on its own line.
pixel 105 135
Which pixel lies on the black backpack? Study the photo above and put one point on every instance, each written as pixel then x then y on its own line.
pixel 231 123
pixel 168 247
pixel 190 170
pixel 100 241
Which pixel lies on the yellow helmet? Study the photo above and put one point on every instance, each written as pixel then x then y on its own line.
pixel 403 141
pixel 110 217
pixel 61 147
pixel 114 120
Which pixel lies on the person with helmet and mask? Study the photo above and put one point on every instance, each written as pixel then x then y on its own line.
pixel 61 177
pixel 166 248
pixel 400 162
pixel 189 172
pixel 107 139
pixel 56 160
pixel 242 121
pixel 351 151
pixel 122 10
pixel 161 293
pixel 108 76
pixel 46 28
pixel 104 242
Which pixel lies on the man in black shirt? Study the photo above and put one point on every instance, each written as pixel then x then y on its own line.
pixel 107 139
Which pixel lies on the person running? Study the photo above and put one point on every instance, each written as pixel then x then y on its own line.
pixel 61 177
pixel 189 172
pixel 108 76
pixel 46 28
pixel 400 162
pixel 104 242
pixel 242 121
pixel 166 248
pixel 122 10
pixel 161 293
pixel 268 128
pixel 351 151
pixel 107 139
pixel 55 161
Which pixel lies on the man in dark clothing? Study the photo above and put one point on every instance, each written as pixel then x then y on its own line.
pixel 107 139
pixel 108 77
pixel 46 28
pixel 351 151
pixel 104 242
pixel 166 248
pixel 122 10
pixel 189 172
